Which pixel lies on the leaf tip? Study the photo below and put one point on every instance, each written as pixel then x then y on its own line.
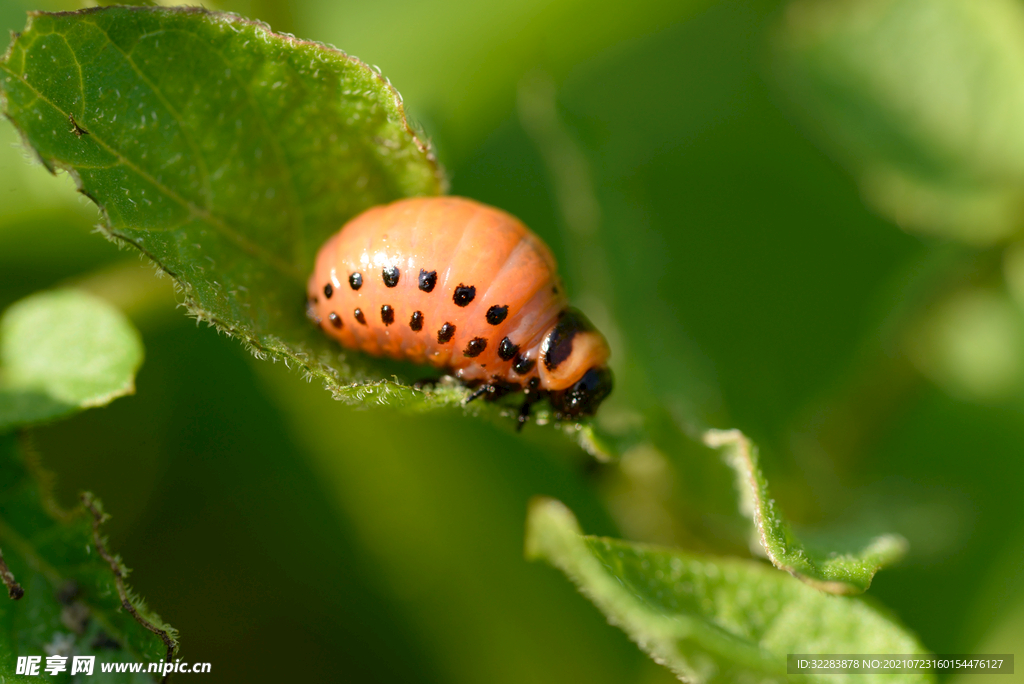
pixel 716 439
pixel 887 549
pixel 547 518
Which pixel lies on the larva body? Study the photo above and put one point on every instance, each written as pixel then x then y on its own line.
pixel 464 287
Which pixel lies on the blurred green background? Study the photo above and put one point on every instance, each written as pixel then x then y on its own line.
pixel 708 216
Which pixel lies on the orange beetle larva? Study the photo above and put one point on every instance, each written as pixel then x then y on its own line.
pixel 464 287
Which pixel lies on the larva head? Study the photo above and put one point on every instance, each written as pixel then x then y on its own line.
pixel 573 366
pixel 586 394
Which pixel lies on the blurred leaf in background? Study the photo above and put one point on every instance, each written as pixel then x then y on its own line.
pixel 923 99
pixel 63 351
pixel 460 61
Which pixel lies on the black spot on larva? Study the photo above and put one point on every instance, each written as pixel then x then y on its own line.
pixel 390 275
pixel 355 281
pixel 506 350
pixel 523 365
pixel 554 289
pixel 464 294
pixel 497 314
pixel 534 381
pixel 387 314
pixel 316 300
pixel 475 348
pixel 428 279
pixel 335 320
pixel 558 345
pixel 359 316
pixel 445 334
pixel 328 290
pixel 416 322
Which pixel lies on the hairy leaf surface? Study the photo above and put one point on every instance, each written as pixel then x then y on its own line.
pixel 224 152
pixel 712 619
pixel 75 601
pixel 922 100
pixel 833 569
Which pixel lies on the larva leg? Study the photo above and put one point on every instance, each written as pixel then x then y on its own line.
pixel 496 390
pixel 492 391
pixel 478 392
pixel 524 410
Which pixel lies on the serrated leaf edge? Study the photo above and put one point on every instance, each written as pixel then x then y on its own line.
pixel 740 453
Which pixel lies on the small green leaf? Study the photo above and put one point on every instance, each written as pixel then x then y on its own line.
pixel 711 619
pixel 846 572
pixel 922 99
pixel 224 152
pixel 75 600
pixel 63 351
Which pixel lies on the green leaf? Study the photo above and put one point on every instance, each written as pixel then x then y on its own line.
pixel 75 600
pixel 711 619
pixel 63 351
pixel 847 571
pixel 922 99
pixel 227 154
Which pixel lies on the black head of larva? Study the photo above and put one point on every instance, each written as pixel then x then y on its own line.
pixel 583 398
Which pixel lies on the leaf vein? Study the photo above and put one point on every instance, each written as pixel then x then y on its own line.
pixel 214 221
pixel 297 223
pixel 78 69
pixel 204 173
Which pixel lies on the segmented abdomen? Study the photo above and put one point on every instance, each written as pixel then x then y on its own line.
pixel 440 280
